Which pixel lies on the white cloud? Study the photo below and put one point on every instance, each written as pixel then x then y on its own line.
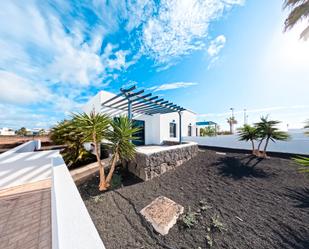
pixel 170 86
pixel 15 89
pixel 180 27
pixel 216 45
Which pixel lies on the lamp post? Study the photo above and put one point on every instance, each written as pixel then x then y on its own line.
pixel 232 109
pixel 245 116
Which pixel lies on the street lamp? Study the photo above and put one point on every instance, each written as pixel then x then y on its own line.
pixel 232 109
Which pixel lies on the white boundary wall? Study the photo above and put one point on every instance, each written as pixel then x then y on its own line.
pixel 72 226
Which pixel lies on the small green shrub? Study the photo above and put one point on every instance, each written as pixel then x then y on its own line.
pixel 209 240
pixel 216 224
pixel 189 219
pixel 204 205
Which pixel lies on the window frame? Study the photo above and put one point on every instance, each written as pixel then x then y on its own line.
pixel 172 129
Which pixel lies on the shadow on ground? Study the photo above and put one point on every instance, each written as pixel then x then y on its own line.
pixel 300 196
pixel 239 168
pixel 292 238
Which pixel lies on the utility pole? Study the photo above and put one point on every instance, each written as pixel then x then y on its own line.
pixel 245 117
pixel 232 109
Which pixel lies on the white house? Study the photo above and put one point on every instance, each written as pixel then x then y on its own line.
pixel 7 132
pixel 157 122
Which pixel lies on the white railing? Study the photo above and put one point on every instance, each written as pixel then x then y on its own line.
pixel 72 226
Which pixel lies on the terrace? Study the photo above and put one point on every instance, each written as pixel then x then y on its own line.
pixel 39 204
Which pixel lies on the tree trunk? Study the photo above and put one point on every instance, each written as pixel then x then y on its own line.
pixel 253 149
pixel 112 169
pixel 258 153
pixel 231 128
pixel 102 185
pixel 265 147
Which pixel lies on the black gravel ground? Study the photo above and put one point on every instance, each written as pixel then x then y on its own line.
pixel 263 204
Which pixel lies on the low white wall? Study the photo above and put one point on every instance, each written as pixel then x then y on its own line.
pixel 298 144
pixel 72 226
pixel 25 147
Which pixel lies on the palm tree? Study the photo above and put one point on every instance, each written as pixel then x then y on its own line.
pixel 299 11
pixel 267 130
pixel 231 121
pixel 66 133
pixel 248 133
pixel 120 136
pixel 94 128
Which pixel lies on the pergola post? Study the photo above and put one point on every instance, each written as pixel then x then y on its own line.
pixel 180 130
pixel 129 109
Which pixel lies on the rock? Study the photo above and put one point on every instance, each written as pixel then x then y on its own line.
pixel 162 214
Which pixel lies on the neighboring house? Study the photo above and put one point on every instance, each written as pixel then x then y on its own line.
pixel 155 128
pixel 203 124
pixel 7 132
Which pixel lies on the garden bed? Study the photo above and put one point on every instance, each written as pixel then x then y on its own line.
pixel 266 206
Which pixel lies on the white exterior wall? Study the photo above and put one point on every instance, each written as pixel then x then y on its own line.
pixel 156 126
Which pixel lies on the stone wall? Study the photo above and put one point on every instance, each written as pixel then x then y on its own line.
pixel 149 165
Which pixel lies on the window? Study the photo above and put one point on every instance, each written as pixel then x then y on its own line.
pixel 172 130
pixel 189 130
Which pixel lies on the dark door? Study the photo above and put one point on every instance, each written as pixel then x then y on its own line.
pixel 140 134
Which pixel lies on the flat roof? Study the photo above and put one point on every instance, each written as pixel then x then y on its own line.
pixel 206 123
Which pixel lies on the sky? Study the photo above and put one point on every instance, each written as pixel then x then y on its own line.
pixel 205 55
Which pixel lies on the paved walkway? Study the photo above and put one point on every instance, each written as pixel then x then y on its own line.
pixel 26 217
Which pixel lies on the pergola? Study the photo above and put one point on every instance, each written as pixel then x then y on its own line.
pixel 133 101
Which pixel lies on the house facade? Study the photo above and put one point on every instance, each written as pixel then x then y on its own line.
pixel 155 128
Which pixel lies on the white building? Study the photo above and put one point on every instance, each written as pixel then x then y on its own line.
pixel 6 132
pixel 158 119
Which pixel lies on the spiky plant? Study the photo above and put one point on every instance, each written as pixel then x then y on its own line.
pixel 267 130
pixel 299 11
pixel 121 137
pixel 248 133
pixel 94 127
pixel 66 133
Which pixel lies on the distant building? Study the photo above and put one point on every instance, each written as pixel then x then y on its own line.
pixel 7 132
pixel 202 124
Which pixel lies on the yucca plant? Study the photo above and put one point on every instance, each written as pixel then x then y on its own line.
pixel 304 162
pixel 94 128
pixel 248 133
pixel 121 136
pixel 66 133
pixel 299 11
pixel 267 130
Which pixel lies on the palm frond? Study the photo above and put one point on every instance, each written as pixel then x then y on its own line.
pixel 304 162
pixel 299 11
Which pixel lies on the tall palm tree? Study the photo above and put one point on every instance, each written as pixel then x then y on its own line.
pixel 268 131
pixel 231 121
pixel 94 128
pixel 299 11
pixel 121 137
pixel 248 133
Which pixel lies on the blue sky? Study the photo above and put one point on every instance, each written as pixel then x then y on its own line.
pixel 207 55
